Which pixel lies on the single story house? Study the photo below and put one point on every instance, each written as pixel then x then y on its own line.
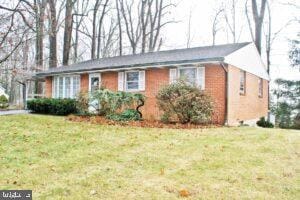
pixel 2 92
pixel 233 74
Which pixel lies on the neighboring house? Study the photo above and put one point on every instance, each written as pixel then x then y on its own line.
pixel 2 92
pixel 233 74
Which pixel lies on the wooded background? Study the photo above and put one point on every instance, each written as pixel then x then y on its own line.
pixel 39 34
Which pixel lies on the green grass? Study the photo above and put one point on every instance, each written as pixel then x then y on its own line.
pixel 58 159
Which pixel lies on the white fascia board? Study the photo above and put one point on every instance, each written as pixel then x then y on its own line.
pixel 249 60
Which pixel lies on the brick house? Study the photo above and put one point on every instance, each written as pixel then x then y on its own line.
pixel 233 74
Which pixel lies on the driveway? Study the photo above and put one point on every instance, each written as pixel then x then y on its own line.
pixel 13 112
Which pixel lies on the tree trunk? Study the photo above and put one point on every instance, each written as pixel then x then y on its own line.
pixel 94 26
pixel 120 29
pixel 53 35
pixel 258 21
pixel 68 31
pixel 100 28
pixel 40 16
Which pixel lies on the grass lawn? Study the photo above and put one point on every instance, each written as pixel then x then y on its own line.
pixel 58 159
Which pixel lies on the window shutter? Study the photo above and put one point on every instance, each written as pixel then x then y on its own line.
pixel 142 80
pixel 173 75
pixel 201 77
pixel 100 80
pixel 120 81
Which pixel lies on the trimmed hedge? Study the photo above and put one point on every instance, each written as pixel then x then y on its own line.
pixel 52 106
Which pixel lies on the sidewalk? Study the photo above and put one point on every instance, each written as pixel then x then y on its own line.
pixel 13 112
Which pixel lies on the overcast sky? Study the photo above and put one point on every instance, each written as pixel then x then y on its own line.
pixel 202 13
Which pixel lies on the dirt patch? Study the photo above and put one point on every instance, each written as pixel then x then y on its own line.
pixel 144 123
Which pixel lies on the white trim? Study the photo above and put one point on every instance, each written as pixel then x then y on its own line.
pixel 55 92
pixel 64 87
pixel 199 81
pixel 125 81
pixel 249 60
pixel 173 75
pixel 94 75
pixel 120 81
pixel 142 80
pixel 71 87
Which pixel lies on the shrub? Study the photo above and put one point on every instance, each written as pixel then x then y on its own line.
pixel 184 102
pixel 110 103
pixel 52 106
pixel 126 115
pixel 263 123
pixel 82 103
pixel 3 101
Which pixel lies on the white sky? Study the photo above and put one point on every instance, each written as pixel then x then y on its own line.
pixel 175 35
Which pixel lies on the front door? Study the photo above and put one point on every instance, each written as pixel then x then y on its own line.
pixel 94 85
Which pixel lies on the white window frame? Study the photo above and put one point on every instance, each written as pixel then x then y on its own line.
pixel 94 75
pixel 125 81
pixel 242 92
pixel 260 88
pixel 192 67
pixel 199 81
pixel 55 88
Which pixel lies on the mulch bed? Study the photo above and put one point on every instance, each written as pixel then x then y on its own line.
pixel 144 123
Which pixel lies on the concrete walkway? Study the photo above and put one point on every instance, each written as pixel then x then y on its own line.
pixel 13 112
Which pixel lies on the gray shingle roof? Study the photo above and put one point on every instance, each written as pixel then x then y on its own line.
pixel 197 54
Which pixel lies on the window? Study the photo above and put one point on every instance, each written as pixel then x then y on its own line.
pixel 132 80
pixel 188 74
pixel 94 83
pixel 194 75
pixel 76 85
pixel 66 86
pixel 60 87
pixel 242 82
pixel 260 87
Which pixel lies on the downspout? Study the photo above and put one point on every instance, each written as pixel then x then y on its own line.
pixel 226 92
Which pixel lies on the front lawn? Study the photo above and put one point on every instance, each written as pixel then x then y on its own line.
pixel 58 159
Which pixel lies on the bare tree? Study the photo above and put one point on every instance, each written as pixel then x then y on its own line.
pixel 188 42
pixel 258 18
pixel 215 26
pixel 96 35
pixel 231 20
pixel 94 26
pixel 133 33
pixel 68 31
pixel 52 35
pixel 100 27
pixel 80 13
pixel 144 27
pixel 120 28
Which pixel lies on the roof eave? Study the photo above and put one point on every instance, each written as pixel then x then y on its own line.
pixel 128 67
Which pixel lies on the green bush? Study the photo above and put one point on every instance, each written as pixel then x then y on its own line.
pixel 3 101
pixel 52 106
pixel 184 102
pixel 112 103
pixel 263 123
pixel 82 103
pixel 126 115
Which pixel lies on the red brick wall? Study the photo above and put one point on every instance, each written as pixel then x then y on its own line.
pixel 215 86
pixel 249 106
pixel 48 86
pixel 110 80
pixel 156 78
pixel 84 82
